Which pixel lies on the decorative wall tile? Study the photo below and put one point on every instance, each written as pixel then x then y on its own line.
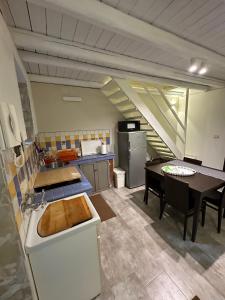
pixel 20 179
pixel 67 140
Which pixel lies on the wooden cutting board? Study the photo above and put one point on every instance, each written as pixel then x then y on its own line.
pixel 51 177
pixel 62 215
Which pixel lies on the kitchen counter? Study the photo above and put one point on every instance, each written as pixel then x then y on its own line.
pixel 67 190
pixel 74 188
pixel 92 158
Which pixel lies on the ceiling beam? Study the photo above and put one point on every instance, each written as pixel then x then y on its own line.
pixel 114 20
pixel 58 47
pixel 65 81
pixel 32 57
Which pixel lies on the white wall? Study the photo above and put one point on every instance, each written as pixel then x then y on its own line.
pixel 93 112
pixel 9 91
pixel 206 122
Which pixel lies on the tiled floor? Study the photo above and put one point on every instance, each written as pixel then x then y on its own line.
pixel 145 258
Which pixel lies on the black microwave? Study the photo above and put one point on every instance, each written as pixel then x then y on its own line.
pixel 126 126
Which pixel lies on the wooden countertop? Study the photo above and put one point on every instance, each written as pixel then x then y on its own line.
pixel 51 177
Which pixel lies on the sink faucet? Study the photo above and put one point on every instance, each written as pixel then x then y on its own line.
pixel 29 201
pixel 43 201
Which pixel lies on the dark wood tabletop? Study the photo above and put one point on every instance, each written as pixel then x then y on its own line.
pixel 198 182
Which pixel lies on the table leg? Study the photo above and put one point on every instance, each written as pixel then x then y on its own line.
pixel 197 209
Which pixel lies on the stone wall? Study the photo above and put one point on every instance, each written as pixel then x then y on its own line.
pixel 14 283
pixel 25 100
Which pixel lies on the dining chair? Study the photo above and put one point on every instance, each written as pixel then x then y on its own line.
pixel 177 195
pixel 193 161
pixel 154 161
pixel 152 183
pixel 216 201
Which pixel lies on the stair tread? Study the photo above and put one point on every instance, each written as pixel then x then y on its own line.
pixel 124 102
pixel 132 109
pixel 117 95
pixel 158 146
pixel 111 92
pixel 126 114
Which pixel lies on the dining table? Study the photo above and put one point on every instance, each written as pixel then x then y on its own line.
pixel 204 181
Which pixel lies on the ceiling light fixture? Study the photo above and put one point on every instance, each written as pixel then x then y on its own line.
pixel 193 68
pixel 203 69
pixel 197 66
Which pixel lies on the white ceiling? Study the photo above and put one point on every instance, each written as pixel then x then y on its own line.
pixel 199 21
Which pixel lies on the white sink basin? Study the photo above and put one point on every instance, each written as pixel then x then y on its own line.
pixel 67 262
pixel 34 241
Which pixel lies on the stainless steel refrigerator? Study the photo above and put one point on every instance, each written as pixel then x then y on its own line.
pixel 132 156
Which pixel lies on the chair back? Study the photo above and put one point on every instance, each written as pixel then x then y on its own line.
pixel 154 183
pixel 156 161
pixel 153 162
pixel 177 194
pixel 193 161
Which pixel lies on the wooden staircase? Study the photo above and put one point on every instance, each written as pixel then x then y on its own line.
pixel 129 103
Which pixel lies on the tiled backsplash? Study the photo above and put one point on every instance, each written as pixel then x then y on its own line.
pixel 71 139
pixel 20 180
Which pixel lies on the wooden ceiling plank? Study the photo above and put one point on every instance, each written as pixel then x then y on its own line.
pixel 114 20
pixel 124 45
pixel 93 35
pixel 82 31
pixel 104 39
pixel 200 13
pixel 117 61
pixel 43 69
pixel 186 11
pixel 156 9
pixel 4 8
pixel 54 22
pixel 34 69
pixel 20 14
pixel 64 81
pixel 215 33
pixel 67 73
pixel 108 71
pixel 141 7
pixel 115 42
pixel 126 6
pixel 207 22
pixel 112 3
pixel 27 66
pixel 75 74
pixel 82 75
pixel 51 70
pixel 38 18
pixel 172 10
pixel 134 48
pixel 98 77
pixel 68 27
pixel 60 72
